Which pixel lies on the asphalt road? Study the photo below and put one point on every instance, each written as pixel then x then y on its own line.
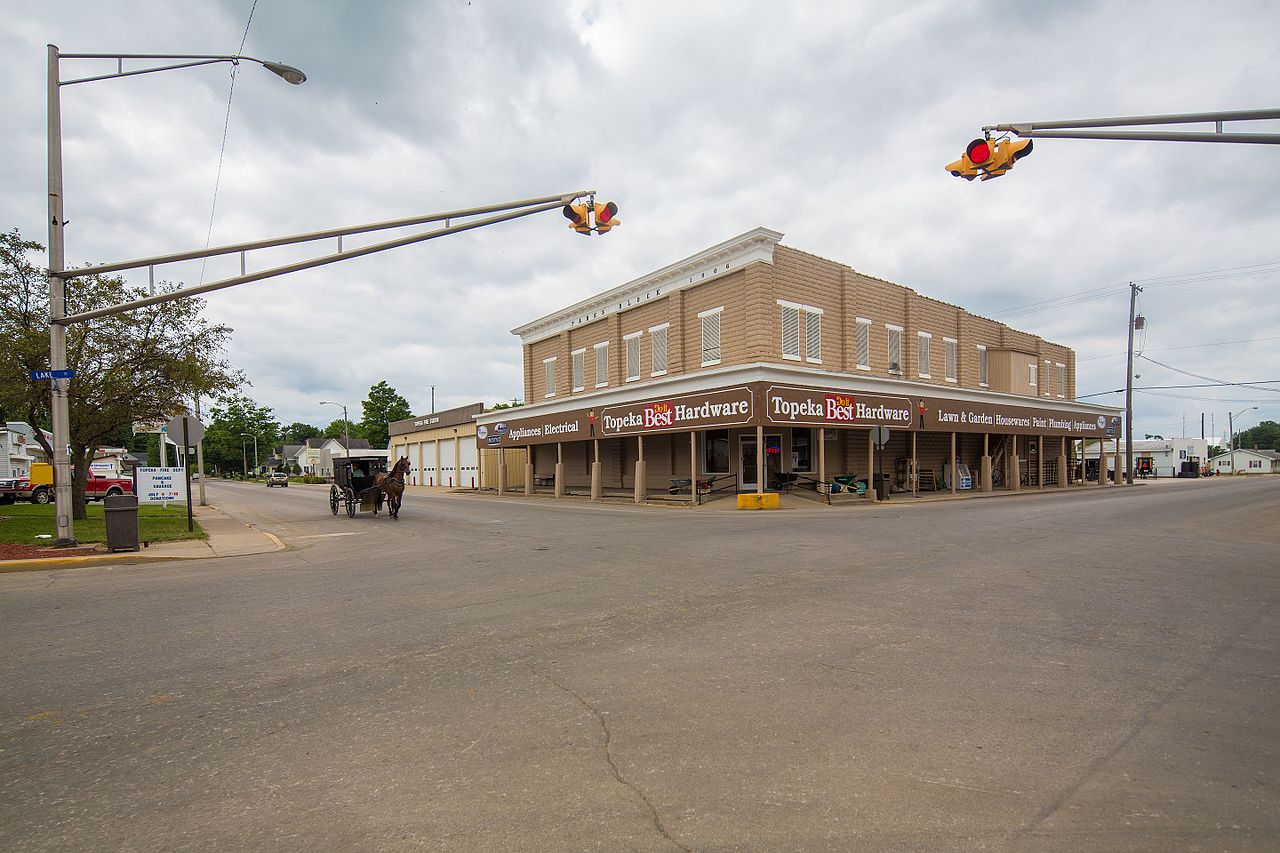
pixel 1053 672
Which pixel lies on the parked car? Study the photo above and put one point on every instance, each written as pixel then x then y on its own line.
pixel 277 478
pixel 37 486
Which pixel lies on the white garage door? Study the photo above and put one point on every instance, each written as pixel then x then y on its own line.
pixel 448 477
pixel 429 476
pixel 469 457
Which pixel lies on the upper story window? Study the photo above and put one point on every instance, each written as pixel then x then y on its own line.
pixel 658 348
pixel 579 369
pixel 790 332
pixel 711 336
pixel 862 344
pixel 549 365
pixel 632 342
pixel 813 336
pixel 950 366
pixel 1033 378
pixel 602 364
pixel 982 365
pixel 1062 380
pixel 895 349
pixel 925 340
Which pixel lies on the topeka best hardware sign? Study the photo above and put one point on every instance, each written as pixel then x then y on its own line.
pixel 758 403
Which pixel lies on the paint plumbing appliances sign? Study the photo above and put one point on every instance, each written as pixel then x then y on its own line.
pixel 722 408
pixel 785 405
pixel 960 416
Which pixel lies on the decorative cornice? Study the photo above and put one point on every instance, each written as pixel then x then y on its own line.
pixel 707 265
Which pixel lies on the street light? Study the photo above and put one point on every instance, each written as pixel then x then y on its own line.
pixel 57 284
pixel 1231 430
pixel 255 451
pixel 346 425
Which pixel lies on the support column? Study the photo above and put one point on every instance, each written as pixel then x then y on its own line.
pixel 822 458
pixel 642 483
pixel 528 470
pixel 559 481
pixel 871 467
pixel 1015 467
pixel 914 472
pixel 1102 463
pixel 955 468
pixel 1040 462
pixel 502 469
pixel 695 498
pixel 1062 464
pixel 597 489
pixel 985 473
pixel 760 460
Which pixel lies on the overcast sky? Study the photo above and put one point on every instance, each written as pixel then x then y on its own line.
pixel 829 122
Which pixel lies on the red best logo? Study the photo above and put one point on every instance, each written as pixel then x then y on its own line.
pixel 659 416
pixel 839 407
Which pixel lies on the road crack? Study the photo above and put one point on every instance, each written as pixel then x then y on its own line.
pixel 608 755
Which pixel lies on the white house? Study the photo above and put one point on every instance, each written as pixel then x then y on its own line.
pixel 1164 456
pixel 1247 462
pixel 19 448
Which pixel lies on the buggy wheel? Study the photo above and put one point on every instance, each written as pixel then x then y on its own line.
pixel 333 499
pixel 351 503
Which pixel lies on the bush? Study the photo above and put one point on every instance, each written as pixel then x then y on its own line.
pixel 312 478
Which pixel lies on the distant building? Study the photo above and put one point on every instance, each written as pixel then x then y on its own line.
pixel 1244 461
pixel 19 448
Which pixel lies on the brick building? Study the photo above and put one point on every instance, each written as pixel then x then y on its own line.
pixel 752 367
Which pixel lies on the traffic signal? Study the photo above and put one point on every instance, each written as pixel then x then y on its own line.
pixel 1007 152
pixel 977 154
pixel 606 217
pixel 577 216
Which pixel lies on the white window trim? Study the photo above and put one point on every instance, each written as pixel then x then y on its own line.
pixel 956 346
pixel 796 305
pixel 1048 392
pixel 701 316
pixel 982 384
pixel 923 372
pixel 799 312
pixel 602 345
pixel 552 362
pixel 658 328
pixel 1034 378
pixel 862 321
pixel 1061 370
pixel 572 358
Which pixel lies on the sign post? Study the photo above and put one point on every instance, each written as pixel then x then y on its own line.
pixel 191 430
pixel 880 437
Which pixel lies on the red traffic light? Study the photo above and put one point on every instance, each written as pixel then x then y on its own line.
pixel 605 213
pixel 978 151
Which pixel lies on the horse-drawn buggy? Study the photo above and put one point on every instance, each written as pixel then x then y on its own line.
pixel 362 484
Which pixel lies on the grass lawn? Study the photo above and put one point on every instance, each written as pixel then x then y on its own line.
pixel 21 522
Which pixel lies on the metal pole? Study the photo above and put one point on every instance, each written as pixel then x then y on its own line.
pixel 186 466
pixel 200 456
pixel 244 461
pixel 1128 392
pixel 1231 451
pixel 57 310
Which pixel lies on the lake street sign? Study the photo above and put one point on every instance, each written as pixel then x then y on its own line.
pixel 52 374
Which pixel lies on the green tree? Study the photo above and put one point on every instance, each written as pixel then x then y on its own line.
pixel 224 442
pixel 383 406
pixel 136 366
pixel 337 429
pixel 1264 436
pixel 298 432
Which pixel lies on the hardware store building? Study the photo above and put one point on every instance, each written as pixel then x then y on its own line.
pixel 754 367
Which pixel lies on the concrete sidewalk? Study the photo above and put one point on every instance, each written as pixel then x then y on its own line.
pixel 228 537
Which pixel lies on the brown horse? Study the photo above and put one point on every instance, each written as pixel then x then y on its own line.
pixel 391 484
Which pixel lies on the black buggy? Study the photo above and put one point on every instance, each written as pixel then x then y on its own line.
pixel 353 485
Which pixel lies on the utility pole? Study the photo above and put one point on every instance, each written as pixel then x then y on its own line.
pixel 1128 392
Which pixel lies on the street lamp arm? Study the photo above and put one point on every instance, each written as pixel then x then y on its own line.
pixel 1054 129
pixel 286 72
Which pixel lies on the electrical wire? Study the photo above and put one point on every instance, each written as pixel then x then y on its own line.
pixel 1250 384
pixel 226 124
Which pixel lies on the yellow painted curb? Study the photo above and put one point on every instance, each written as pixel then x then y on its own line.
pixel 769 500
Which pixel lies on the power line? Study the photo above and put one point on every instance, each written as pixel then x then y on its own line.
pixel 1251 384
pixel 1188 346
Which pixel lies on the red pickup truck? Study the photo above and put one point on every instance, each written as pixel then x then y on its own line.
pixel 37 487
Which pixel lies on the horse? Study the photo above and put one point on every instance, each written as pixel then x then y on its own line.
pixel 391 484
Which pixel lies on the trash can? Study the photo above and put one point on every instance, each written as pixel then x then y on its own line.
pixel 882 487
pixel 122 522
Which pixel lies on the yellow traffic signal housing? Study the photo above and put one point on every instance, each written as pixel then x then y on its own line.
pixel 577 216
pixel 606 217
pixel 977 154
pixel 1007 152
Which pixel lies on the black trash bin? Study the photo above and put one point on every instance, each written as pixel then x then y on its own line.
pixel 882 487
pixel 122 522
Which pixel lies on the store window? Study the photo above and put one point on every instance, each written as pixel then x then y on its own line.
pixel 813 337
pixel 802 450
pixel 658 348
pixel 862 341
pixel 950 346
pixel 711 336
pixel 715 456
pixel 982 366
pixel 895 349
pixel 602 364
pixel 550 366
pixel 633 356
pixel 925 340
pixel 790 333
pixel 579 369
